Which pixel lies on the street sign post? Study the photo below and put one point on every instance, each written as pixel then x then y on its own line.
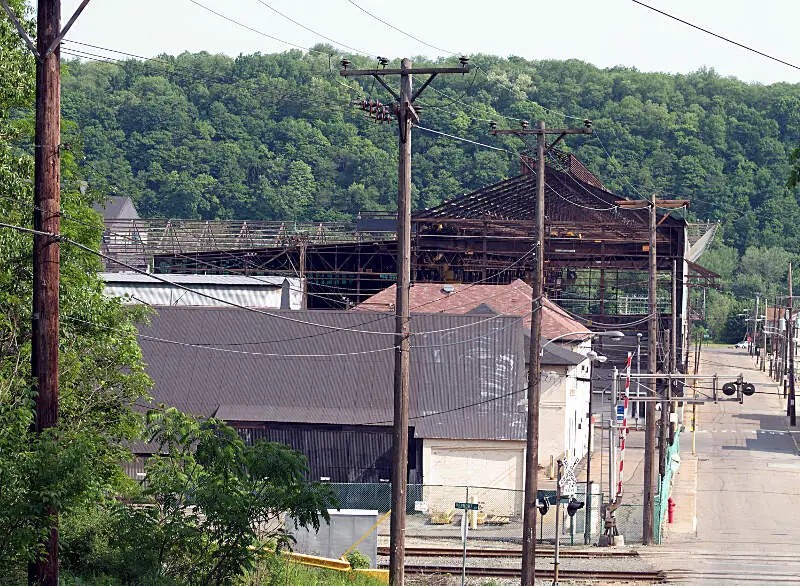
pixel 464 529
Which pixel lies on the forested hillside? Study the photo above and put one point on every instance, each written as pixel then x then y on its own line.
pixel 276 137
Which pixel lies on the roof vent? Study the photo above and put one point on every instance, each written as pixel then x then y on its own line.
pixel 448 289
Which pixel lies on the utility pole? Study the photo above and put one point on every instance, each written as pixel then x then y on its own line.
pixel 652 364
pixel 46 249
pixel 673 353
pixel 650 407
pixel 638 371
pixel 47 253
pixel 535 365
pixel 403 108
pixel 664 424
pixel 790 344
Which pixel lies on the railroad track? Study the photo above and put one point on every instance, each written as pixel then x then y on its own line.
pixel 509 553
pixel 649 577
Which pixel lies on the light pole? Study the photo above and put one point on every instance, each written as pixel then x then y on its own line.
pixel 614 335
pixel 587 526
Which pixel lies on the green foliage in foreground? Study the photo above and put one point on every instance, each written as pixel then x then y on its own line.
pixel 206 504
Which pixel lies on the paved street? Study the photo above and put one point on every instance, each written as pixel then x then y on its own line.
pixel 747 485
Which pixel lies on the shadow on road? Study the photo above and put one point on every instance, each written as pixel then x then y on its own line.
pixel 766 422
pixel 765 442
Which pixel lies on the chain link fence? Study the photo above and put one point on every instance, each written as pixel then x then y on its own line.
pixel 664 487
pixel 432 515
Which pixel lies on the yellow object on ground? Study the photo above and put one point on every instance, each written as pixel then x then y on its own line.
pixel 380 575
pixel 442 517
pixel 317 561
pixel 371 529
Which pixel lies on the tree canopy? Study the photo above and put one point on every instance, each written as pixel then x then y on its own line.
pixel 276 137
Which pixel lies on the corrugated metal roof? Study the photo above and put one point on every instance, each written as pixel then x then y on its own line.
pixel 225 280
pixel 266 292
pixel 465 383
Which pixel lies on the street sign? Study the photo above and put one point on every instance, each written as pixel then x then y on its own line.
pixel 467 506
pixel 421 506
pixel 569 488
pixel 620 413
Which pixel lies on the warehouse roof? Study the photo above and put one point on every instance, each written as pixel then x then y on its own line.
pixel 511 299
pixel 467 372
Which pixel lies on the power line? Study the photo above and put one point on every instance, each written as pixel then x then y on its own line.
pixel 708 32
pixel 255 30
pixel 409 35
pixel 231 303
pixel 312 31
pixel 179 286
pixel 233 351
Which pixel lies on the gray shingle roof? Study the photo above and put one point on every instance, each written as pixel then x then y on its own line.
pixel 465 383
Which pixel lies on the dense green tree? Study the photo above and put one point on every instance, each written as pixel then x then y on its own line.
pixel 211 502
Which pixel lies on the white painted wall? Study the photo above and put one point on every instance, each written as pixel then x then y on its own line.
pixel 563 421
pixel 493 469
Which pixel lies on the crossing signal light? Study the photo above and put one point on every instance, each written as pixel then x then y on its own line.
pixel 748 389
pixel 543 506
pixel 729 389
pixel 573 506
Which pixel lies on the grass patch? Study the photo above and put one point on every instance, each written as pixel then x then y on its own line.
pixel 274 570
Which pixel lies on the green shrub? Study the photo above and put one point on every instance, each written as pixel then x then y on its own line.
pixel 358 560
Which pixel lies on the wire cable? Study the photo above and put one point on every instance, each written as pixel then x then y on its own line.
pixel 255 30
pixel 409 35
pixel 156 277
pixel 312 31
pixel 708 32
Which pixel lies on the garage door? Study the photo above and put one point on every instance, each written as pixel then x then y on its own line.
pixel 494 476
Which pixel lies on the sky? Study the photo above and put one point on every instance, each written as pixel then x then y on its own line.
pixel 605 33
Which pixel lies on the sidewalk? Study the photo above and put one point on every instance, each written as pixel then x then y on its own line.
pixel 684 494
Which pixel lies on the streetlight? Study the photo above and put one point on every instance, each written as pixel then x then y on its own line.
pixel 614 334
pixel 587 525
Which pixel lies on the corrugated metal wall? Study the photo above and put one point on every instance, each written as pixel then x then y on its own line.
pixel 336 453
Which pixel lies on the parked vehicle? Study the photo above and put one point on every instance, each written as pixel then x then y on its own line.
pixel 742 344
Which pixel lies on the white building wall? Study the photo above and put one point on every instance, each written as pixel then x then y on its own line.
pixel 493 469
pixel 563 419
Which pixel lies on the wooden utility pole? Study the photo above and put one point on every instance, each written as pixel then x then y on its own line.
pixel 673 353
pixel 790 344
pixel 652 362
pixel 46 249
pixel 406 117
pixel 46 253
pixel 535 365
pixel 652 365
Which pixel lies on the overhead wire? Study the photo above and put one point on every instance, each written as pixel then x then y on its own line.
pixel 713 34
pixel 312 31
pixel 157 277
pixel 255 30
pixel 226 302
pixel 409 35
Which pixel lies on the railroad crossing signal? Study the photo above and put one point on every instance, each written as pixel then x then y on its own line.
pixel 574 506
pixel 543 506
pixel 739 388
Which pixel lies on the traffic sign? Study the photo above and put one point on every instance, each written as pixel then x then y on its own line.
pixel 620 413
pixel 467 506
